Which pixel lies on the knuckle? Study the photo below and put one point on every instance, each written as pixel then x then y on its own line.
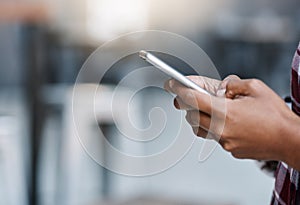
pixel 230 147
pixel 194 118
pixel 224 134
pixel 227 146
pixel 187 116
pixel 233 77
pixel 254 83
pixel 236 155
pixel 196 131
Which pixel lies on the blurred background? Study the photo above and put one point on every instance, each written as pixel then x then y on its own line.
pixel 43 44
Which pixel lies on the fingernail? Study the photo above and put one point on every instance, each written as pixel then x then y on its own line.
pixel 176 104
pixel 229 94
pixel 171 83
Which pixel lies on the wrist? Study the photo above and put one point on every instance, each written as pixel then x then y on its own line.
pixel 290 141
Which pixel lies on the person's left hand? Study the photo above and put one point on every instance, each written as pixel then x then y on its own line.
pixel 256 118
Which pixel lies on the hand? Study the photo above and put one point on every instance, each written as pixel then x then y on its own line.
pixel 213 86
pixel 256 119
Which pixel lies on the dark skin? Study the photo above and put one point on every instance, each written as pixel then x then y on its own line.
pixel 250 120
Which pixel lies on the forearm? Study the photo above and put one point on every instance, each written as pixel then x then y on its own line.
pixel 291 143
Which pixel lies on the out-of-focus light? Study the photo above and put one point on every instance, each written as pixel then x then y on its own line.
pixel 107 19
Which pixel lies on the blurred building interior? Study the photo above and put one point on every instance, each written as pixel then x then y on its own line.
pixel 43 45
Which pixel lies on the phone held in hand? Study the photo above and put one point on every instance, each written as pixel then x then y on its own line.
pixel 158 63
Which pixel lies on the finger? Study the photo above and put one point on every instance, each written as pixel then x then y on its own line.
pixel 180 105
pixel 199 80
pixel 227 79
pixel 213 125
pixel 200 132
pixel 196 119
pixel 221 142
pixel 193 98
pixel 206 83
pixel 222 87
pixel 166 85
pixel 236 87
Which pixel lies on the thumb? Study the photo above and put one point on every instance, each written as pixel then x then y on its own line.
pixel 237 87
pixel 226 80
pixel 222 87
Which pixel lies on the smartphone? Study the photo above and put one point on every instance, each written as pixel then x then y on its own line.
pixel 158 63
